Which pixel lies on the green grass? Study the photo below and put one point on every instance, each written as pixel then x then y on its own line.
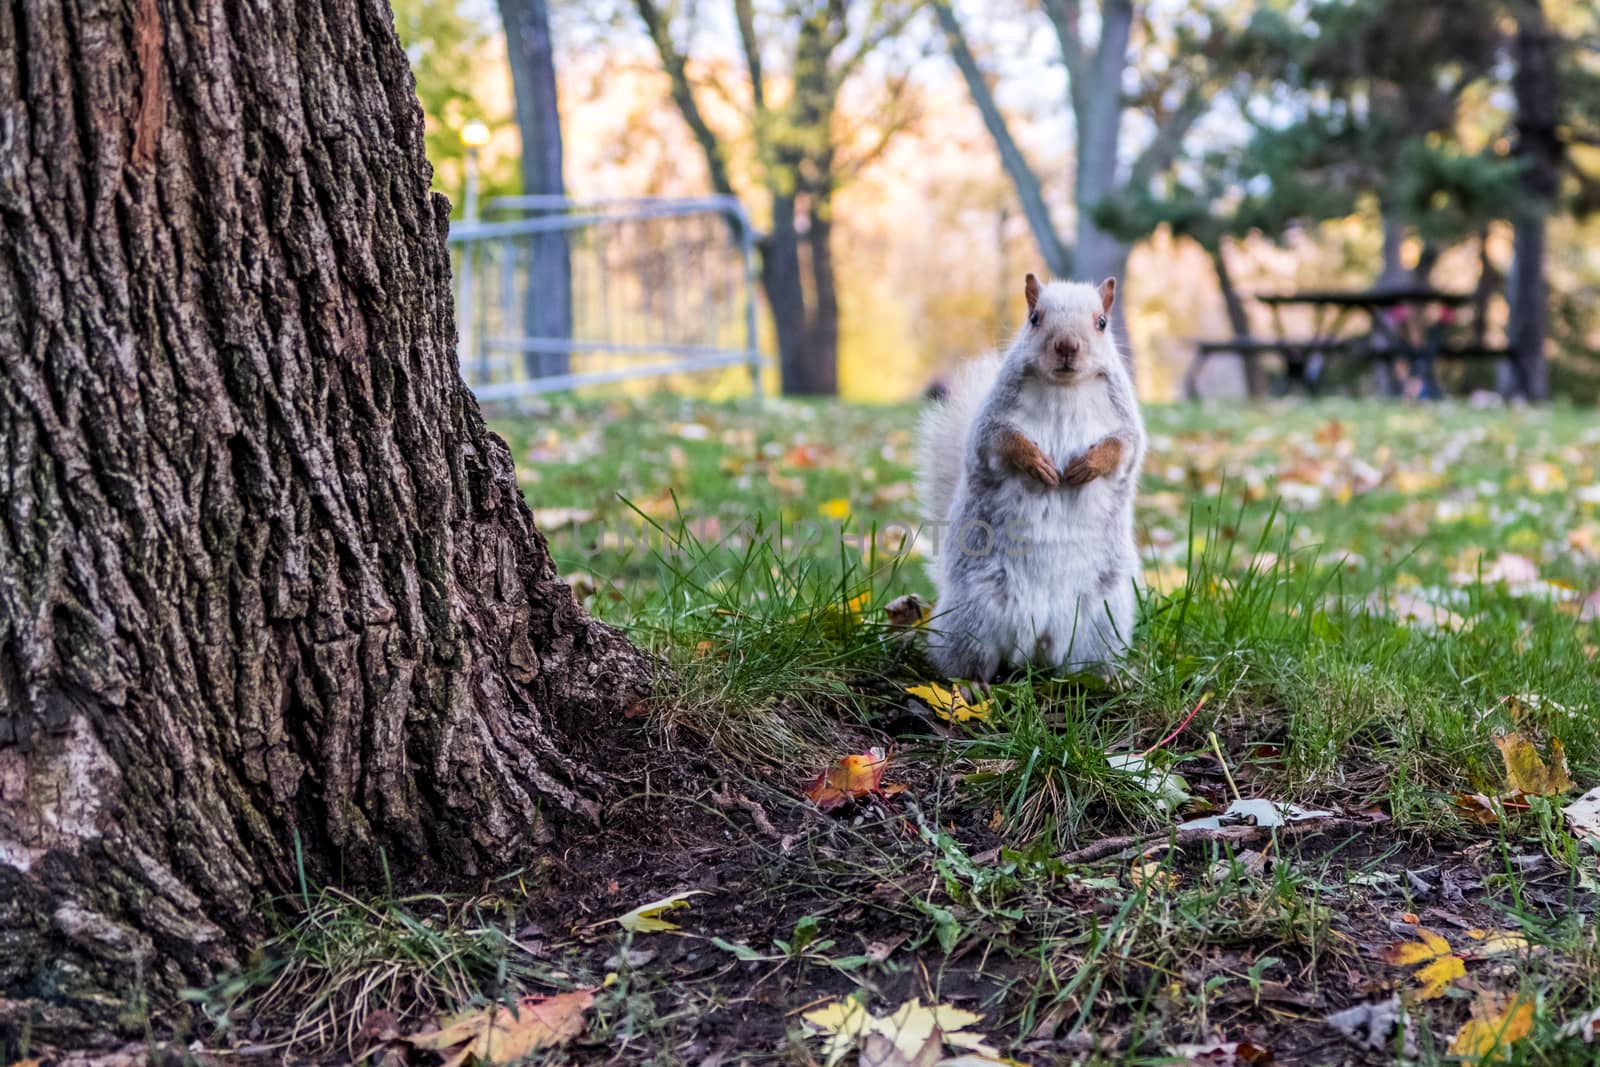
pixel 1275 539
pixel 754 547
pixel 1288 523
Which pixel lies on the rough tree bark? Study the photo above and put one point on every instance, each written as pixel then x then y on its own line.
pixel 264 573
pixel 548 301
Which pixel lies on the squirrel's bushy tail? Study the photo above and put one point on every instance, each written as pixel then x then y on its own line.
pixel 942 435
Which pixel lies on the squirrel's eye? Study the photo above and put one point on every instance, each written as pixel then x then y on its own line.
pixel 1033 319
pixel 1100 323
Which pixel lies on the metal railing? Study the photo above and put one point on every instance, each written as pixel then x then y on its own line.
pixel 555 294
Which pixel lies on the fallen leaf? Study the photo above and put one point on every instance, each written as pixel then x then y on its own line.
pixel 1372 1026
pixel 1480 808
pixel 1150 874
pixel 1583 817
pixel 1256 812
pixel 1222 1053
pixel 849 778
pixel 1586 1026
pixel 646 918
pixel 951 704
pixel 1527 773
pixel 501 1034
pixel 548 519
pixel 1494 1026
pixel 1436 962
pixel 1409 609
pixel 1169 788
pixel 1491 943
pixel 899 1039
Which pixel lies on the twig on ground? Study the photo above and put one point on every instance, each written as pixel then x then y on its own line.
pixel 728 800
pixel 1110 846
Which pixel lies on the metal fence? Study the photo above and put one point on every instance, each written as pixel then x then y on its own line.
pixel 554 293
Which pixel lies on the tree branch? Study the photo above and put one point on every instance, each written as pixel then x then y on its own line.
pixel 1029 190
pixel 745 15
pixel 677 70
pixel 1163 148
pixel 1064 18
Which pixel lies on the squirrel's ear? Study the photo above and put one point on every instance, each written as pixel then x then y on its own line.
pixel 1030 289
pixel 1108 294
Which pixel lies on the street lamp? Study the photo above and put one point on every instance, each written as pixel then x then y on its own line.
pixel 474 135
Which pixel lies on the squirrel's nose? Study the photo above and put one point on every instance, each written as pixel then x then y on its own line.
pixel 1066 348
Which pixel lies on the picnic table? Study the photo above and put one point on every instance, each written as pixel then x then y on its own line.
pixel 1413 324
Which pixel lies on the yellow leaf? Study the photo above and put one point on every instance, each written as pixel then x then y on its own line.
pixel 950 704
pixel 1495 943
pixel 1410 953
pixel 844 1022
pixel 1529 774
pixel 837 509
pixel 1149 874
pixel 501 1034
pixel 1432 979
pixel 909 1029
pixel 646 918
pixel 1493 1027
pixel 1441 965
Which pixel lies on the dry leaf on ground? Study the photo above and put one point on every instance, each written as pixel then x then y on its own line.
pixel 1586 1026
pixel 503 1033
pixel 951 705
pixel 899 1039
pixel 1527 772
pixel 1221 1054
pixel 1436 962
pixel 1372 1026
pixel 1583 817
pixel 1256 812
pixel 1494 1026
pixel 851 778
pixel 646 918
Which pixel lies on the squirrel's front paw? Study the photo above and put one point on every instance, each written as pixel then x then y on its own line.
pixel 1100 460
pixel 1045 471
pixel 1023 456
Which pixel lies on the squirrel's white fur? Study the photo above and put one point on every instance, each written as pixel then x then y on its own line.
pixel 1029 571
pixel 942 435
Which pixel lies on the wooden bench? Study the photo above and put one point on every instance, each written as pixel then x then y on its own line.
pixel 1297 357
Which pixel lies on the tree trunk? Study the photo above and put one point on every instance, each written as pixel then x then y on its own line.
pixel 266 580
pixel 1394 271
pixel 1537 87
pixel 822 325
pixel 1255 376
pixel 781 281
pixel 547 305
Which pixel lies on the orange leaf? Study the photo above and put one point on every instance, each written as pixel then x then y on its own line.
pixel 849 778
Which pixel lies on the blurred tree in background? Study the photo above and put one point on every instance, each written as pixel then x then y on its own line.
pixel 530 49
pixel 797 60
pixel 1285 144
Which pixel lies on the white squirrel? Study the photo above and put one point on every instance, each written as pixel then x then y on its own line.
pixel 1027 472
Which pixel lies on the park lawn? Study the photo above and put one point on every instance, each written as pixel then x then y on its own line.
pixel 1359 600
